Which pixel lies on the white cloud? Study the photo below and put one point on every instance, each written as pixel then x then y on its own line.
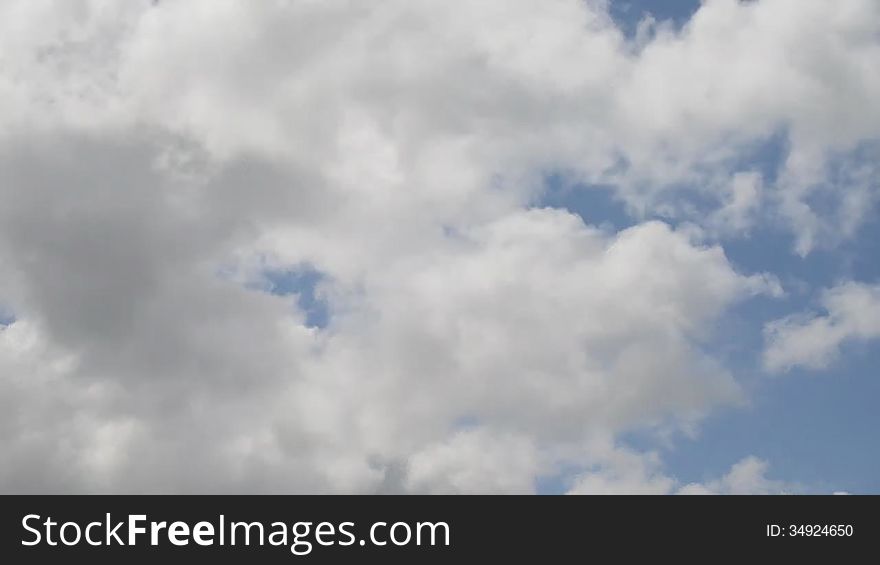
pixel 398 149
pixel 533 326
pixel 745 477
pixel 742 204
pixel 628 472
pixel 451 96
pixel 813 340
pixel 475 461
pixel 625 472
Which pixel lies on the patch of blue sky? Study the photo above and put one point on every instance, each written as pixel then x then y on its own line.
pixel 813 425
pixel 697 198
pixel 302 282
pixel 817 428
pixel 769 245
pixel 559 482
pixel 628 13
pixel 765 155
pixel 597 205
pixel 7 316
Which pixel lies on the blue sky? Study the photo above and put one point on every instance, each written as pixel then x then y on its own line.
pixel 302 283
pixel 817 425
pixel 628 13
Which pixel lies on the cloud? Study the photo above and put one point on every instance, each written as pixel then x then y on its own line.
pixel 748 476
pixel 155 159
pixel 475 461
pixel 742 204
pixel 625 472
pixel 538 329
pixel 812 340
pixel 629 472
pixel 443 98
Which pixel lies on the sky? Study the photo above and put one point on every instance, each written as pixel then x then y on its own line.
pixel 569 246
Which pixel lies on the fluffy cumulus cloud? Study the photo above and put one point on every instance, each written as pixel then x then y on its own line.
pixel 158 159
pixel 813 340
